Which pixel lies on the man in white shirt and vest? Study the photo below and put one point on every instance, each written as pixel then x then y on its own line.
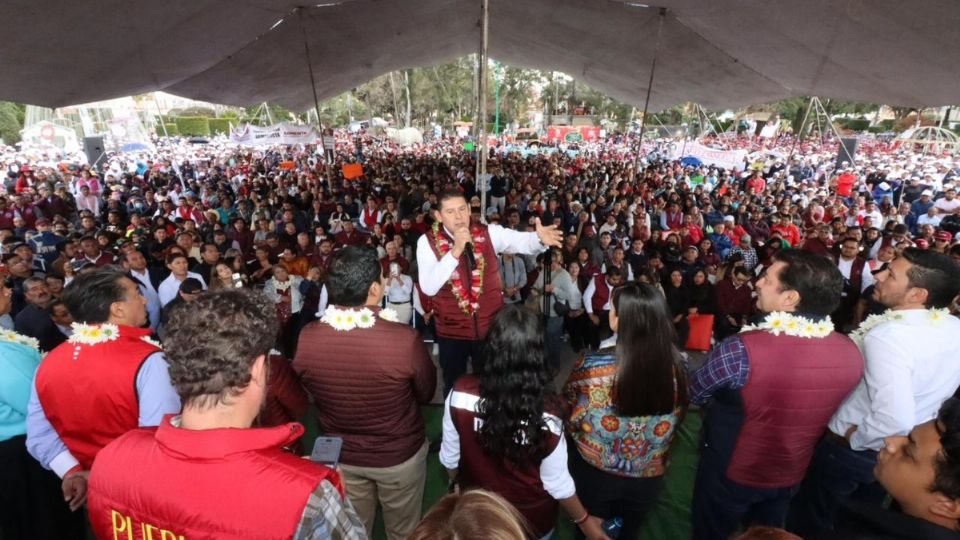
pixel 911 368
pixel 458 268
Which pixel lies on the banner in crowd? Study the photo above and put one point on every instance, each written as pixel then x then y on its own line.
pixel 351 170
pixel 728 159
pixel 249 135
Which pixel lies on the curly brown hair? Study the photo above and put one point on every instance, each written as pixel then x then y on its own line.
pixel 212 343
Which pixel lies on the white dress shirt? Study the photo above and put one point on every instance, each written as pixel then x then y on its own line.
pixel 400 289
pixel 170 287
pixel 435 273
pixel 911 368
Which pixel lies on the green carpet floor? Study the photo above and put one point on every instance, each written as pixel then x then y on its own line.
pixel 670 520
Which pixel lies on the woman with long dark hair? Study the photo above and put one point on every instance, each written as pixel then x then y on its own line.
pixel 627 400
pixel 502 433
pixel 678 301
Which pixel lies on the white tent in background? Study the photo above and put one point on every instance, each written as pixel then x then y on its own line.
pixel 405 136
pixel 46 135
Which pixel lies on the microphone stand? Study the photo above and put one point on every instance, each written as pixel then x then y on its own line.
pixel 547 279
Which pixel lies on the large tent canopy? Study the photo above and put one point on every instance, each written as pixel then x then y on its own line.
pixel 719 53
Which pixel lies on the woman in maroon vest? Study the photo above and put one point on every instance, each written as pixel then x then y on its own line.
pixel 502 433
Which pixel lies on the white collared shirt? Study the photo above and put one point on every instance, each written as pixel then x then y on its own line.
pixel 435 273
pixel 400 289
pixel 911 368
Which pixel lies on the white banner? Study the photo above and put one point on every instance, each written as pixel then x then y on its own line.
pixel 728 159
pixel 276 134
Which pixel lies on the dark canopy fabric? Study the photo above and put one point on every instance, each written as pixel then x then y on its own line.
pixel 719 53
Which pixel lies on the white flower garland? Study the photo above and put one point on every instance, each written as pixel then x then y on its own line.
pixel 281 286
pixel 20 339
pixel 152 341
pixel 92 334
pixel 781 322
pixel 344 320
pixel 935 316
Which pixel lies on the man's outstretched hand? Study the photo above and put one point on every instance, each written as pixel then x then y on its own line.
pixel 549 236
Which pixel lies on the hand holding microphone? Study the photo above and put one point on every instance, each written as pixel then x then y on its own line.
pixel 462 242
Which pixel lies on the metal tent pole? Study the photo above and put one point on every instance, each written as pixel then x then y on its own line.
pixel 313 86
pixel 646 101
pixel 799 132
pixel 482 106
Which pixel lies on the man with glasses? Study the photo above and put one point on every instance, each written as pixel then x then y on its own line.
pixel 735 302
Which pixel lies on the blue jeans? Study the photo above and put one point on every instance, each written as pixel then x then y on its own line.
pixel 836 473
pixel 720 505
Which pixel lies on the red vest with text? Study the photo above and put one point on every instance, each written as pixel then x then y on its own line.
pixel 521 485
pixel 89 392
pixel 451 321
pixel 602 293
pixel 794 387
pixel 170 483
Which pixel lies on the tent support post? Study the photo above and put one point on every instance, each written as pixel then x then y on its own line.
pixel 313 81
pixel 313 86
pixel 160 115
pixel 833 128
pixel 646 101
pixel 803 124
pixel 482 106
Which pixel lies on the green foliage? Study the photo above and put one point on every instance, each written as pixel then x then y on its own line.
pixel 11 121
pixel 193 125
pixel 220 126
pixel 853 124
pixel 172 130
pixel 193 111
pixel 229 114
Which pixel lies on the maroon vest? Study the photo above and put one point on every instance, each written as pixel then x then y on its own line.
pixel 521 485
pixel 856 277
pixel 795 386
pixel 451 321
pixel 602 293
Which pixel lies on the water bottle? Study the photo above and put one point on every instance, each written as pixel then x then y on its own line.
pixel 612 526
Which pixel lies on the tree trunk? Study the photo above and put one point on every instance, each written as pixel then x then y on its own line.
pixel 406 87
pixel 396 99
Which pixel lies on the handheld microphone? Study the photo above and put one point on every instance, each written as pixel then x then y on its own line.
pixel 468 249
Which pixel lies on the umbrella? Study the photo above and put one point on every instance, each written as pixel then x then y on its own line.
pixel 134 147
pixel 691 161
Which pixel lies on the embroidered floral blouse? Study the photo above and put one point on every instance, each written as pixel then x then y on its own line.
pixel 635 447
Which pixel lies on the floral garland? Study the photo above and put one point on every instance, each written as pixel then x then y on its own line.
pixel 344 320
pixel 12 337
pixel 92 334
pixel 151 341
pixel 935 316
pixel 467 299
pixel 781 322
pixel 281 286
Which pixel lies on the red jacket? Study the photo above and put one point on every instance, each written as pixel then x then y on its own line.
pixel 88 392
pixel 173 483
pixel 451 321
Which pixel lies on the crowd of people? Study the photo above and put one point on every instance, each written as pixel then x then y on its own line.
pixel 211 292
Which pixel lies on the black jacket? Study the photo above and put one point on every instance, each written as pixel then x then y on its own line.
pixel 857 521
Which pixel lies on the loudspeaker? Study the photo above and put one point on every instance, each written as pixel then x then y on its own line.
pixel 93 147
pixel 851 146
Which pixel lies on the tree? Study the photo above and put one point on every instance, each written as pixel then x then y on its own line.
pixel 11 121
